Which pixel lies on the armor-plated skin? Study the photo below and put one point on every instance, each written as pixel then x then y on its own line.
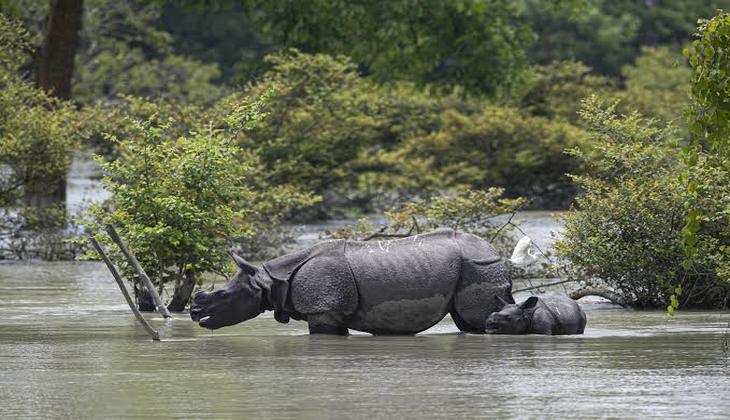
pixel 402 286
pixel 548 314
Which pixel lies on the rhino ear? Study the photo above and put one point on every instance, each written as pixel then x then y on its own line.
pixel 244 265
pixel 529 303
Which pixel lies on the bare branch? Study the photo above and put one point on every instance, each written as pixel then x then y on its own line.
pixel 601 292
pixel 386 235
pixel 118 278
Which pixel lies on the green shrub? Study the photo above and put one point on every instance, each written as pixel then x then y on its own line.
pixel 497 147
pixel 382 174
pixel 38 134
pixel 626 227
pixel 317 120
pixel 180 202
pixel 555 90
pixel 710 60
pixel 656 85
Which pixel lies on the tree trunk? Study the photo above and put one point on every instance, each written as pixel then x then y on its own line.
pixel 182 292
pixel 601 292
pixel 55 61
pixel 54 71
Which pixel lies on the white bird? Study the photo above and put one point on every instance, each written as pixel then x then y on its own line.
pixel 523 255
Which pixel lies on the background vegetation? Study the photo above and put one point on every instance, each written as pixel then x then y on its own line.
pixel 375 106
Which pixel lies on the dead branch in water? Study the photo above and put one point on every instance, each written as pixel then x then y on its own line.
pixel 161 308
pixel 120 282
pixel 600 292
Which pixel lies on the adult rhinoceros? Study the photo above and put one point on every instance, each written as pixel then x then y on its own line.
pixel 402 286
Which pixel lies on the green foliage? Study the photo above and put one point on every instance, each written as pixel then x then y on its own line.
pixel 496 147
pixel 462 209
pixel 220 34
pixel 123 53
pixel 656 85
pixel 317 119
pixel 180 201
pixel 556 90
pixel 608 34
pixel 37 132
pixel 476 44
pixel 709 57
pixel 627 225
pixel 383 173
pixel 709 128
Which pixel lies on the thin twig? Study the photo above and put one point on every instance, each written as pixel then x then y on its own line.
pixel 386 235
pixel 544 285
pixel 374 234
pixel 415 224
pixel 508 222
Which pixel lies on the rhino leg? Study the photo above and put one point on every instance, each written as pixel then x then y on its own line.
pixel 475 298
pixel 326 323
pixel 462 325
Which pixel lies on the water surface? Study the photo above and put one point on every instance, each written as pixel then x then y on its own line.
pixel 70 348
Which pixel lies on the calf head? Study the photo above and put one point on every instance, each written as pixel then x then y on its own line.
pixel 512 318
pixel 238 301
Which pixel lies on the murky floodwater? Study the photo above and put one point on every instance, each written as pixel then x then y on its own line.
pixel 70 348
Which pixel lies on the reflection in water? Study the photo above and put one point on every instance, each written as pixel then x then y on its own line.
pixel 70 347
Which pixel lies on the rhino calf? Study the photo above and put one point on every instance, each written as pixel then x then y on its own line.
pixel 550 314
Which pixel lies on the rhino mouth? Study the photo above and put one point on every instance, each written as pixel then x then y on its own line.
pixel 200 312
pixel 198 315
pixel 491 328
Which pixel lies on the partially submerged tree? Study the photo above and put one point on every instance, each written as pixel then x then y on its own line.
pixel 627 227
pixel 54 65
pixel 38 133
pixel 181 201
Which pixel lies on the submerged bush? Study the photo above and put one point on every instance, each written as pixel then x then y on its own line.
pixel 181 201
pixel 626 227
pixel 38 134
pixel 555 90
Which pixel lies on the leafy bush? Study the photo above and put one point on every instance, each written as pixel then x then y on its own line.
pixel 180 202
pixel 710 60
pixel 626 227
pixel 556 90
pixel 317 120
pixel 37 136
pixel 497 147
pixel 656 85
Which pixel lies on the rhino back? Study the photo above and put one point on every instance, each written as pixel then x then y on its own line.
pixel 406 285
